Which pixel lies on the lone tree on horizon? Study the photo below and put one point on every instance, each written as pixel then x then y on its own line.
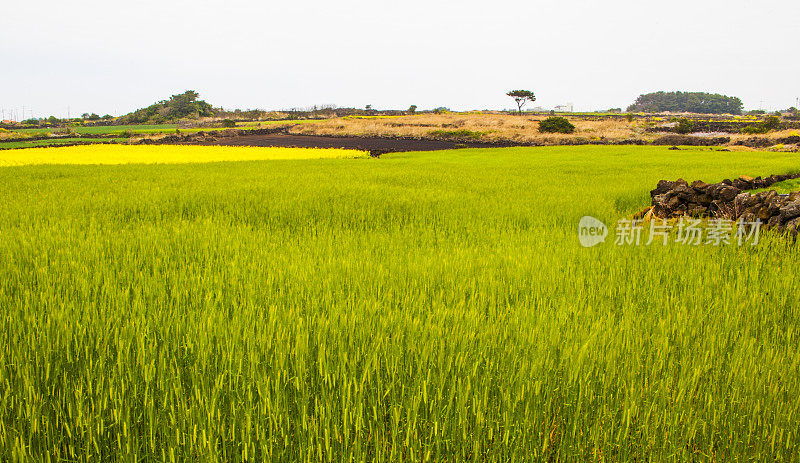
pixel 522 97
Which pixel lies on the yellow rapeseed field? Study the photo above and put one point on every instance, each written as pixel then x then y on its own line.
pixel 163 154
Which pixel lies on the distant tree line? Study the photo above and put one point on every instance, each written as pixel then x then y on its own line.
pixel 94 117
pixel 692 102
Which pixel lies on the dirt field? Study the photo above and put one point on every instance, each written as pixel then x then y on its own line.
pixel 375 145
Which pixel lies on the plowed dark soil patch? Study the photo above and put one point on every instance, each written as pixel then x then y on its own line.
pixel 375 145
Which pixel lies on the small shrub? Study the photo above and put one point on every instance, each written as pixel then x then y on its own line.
pixel 556 124
pixel 684 126
pixel 771 123
pixel 228 123
pixel 753 129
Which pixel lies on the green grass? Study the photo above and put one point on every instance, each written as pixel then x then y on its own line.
pixel 56 142
pixel 787 186
pixel 111 130
pixel 421 306
pixel 463 133
pixel 141 129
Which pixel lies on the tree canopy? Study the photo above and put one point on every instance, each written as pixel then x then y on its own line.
pixel 181 106
pixel 521 97
pixel 692 102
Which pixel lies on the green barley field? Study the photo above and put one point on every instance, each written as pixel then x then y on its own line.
pixel 120 133
pixel 430 306
pixel 141 129
pixel 57 142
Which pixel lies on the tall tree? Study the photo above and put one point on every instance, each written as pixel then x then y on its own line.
pixel 521 97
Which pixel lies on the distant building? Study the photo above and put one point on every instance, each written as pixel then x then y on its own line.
pixel 566 108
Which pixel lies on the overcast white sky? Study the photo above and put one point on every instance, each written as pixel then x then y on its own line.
pixel 115 56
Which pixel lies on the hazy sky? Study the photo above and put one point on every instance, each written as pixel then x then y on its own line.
pixel 115 56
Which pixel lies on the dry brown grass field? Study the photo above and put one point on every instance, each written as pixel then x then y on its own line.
pixel 487 127
pixel 500 127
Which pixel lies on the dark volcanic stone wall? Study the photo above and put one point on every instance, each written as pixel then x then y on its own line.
pixel 728 199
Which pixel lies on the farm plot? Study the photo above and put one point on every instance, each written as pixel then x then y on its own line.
pixel 121 154
pixel 418 307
